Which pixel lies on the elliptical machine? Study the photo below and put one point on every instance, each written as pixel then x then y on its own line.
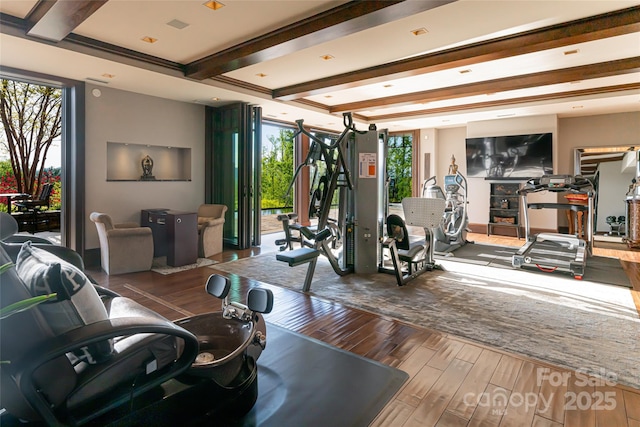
pixel 453 229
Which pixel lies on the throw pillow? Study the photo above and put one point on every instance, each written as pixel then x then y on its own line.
pixel 77 303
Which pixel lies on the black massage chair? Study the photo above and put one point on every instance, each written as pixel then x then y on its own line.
pixel 90 356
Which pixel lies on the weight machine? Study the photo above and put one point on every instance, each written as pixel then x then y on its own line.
pixel 328 240
pixel 417 257
pixel 354 241
pixel 551 252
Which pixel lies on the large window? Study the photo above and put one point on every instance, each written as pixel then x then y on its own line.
pixel 277 168
pixel 399 166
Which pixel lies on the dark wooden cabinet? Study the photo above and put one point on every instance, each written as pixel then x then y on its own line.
pixel 175 235
pixel 504 207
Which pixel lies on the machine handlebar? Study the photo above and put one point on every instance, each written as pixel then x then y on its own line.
pixel 558 183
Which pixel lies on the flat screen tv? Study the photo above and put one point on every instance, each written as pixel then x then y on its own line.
pixel 506 157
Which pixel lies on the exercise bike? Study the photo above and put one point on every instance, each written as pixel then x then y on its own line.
pixel 453 229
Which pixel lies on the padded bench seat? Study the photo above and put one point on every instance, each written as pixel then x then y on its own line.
pixel 298 256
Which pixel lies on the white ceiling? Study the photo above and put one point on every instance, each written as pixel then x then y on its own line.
pixel 124 23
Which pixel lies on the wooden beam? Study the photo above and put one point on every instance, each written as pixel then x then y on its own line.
pixel 55 19
pixel 585 72
pixel 340 21
pixel 502 102
pixel 594 28
pixel 556 96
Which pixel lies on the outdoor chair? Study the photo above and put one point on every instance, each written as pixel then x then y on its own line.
pixel 32 208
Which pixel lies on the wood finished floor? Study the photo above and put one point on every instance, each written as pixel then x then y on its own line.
pixel 452 381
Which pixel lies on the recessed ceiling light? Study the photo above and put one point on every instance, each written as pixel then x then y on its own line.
pixel 571 52
pixel 108 76
pixel 419 31
pixel 214 5
pixel 215 98
pixel 465 71
pixel 327 57
pixel 387 85
pixel 577 107
pixel 261 75
pixel 176 23
pixel 575 82
pixel 284 114
pixel 328 96
pixel 148 39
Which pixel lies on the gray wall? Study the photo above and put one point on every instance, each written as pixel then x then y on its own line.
pixel 120 116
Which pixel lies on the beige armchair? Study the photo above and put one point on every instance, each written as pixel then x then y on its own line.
pixel 210 229
pixel 124 247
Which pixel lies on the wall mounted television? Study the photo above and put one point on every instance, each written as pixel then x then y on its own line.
pixel 507 157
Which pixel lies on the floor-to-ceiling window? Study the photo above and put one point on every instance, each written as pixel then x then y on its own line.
pixel 400 166
pixel 277 192
pixel 30 156
pixel 64 164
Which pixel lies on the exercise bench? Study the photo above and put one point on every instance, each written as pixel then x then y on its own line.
pixel 305 255
pixel 299 257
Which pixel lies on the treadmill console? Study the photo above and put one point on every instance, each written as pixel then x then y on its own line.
pixel 557 181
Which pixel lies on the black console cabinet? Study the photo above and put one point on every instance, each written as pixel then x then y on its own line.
pixel 175 235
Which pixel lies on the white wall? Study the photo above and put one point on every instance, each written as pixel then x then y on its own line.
pixel 599 131
pixel 119 116
pixel 427 145
pixel 568 134
pixel 451 141
pixel 595 131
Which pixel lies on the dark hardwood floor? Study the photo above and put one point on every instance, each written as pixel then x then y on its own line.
pixel 447 374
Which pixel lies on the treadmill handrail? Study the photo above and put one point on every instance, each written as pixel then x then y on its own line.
pixel 565 206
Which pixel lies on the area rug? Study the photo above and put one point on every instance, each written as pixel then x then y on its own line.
pixel 160 265
pixel 598 269
pixel 305 382
pixel 573 324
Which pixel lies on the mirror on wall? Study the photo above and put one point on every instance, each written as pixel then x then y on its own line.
pixel 615 173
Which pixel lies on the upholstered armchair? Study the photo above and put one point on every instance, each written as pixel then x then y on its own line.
pixel 210 229
pixel 124 247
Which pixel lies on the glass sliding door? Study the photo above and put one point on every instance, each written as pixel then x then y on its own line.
pixel 233 170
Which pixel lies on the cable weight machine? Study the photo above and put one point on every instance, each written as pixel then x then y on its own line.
pixel 329 235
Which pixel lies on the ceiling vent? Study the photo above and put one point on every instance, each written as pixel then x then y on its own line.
pixel 176 23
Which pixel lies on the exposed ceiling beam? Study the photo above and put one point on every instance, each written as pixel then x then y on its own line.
pixel 503 102
pixel 55 19
pixel 566 75
pixel 333 24
pixel 602 26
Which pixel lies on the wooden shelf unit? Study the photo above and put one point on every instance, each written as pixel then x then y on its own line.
pixel 504 207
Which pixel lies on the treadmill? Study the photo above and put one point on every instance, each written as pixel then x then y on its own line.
pixel 551 252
